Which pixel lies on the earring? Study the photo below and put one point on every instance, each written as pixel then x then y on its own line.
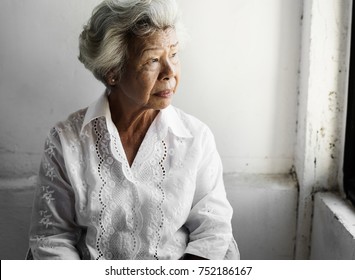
pixel 113 81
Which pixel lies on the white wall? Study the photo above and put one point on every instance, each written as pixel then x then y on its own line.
pixel 239 76
pixel 265 210
pixel 264 220
pixel 41 80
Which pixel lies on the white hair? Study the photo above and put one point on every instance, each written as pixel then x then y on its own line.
pixel 103 43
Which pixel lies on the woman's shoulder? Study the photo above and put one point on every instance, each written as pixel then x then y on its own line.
pixel 192 123
pixel 73 123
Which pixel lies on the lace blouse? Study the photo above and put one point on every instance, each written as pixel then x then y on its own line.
pixel 90 204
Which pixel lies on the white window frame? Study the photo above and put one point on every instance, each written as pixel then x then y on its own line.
pixel 322 107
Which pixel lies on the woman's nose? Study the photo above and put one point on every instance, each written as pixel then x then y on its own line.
pixel 167 70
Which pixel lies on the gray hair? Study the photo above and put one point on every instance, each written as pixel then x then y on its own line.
pixel 103 43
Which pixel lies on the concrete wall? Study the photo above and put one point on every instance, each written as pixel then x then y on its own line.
pixel 239 76
pixel 16 198
pixel 265 210
pixel 264 221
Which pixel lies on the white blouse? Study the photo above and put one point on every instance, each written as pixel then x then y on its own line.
pixel 90 204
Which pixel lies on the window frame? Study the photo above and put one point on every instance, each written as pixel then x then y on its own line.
pixel 349 148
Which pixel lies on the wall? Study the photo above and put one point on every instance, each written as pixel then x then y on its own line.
pixel 16 198
pixel 265 210
pixel 41 80
pixel 240 71
pixel 239 76
pixel 264 220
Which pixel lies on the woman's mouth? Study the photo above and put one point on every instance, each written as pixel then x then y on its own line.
pixel 164 93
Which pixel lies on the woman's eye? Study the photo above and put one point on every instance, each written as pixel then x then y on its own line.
pixel 151 62
pixel 174 58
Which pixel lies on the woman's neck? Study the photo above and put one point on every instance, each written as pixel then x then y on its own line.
pixel 132 125
pixel 130 119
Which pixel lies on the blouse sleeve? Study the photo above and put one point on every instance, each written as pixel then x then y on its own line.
pixel 209 221
pixel 54 233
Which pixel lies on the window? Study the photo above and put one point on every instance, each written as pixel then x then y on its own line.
pixel 349 155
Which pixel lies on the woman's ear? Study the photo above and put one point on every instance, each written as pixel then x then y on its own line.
pixel 112 78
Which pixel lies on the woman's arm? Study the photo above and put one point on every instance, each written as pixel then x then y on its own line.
pixel 54 233
pixel 191 257
pixel 209 221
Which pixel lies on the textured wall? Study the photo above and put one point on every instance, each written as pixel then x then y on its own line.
pixel 264 221
pixel 239 76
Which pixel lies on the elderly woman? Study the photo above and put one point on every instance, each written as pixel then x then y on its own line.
pixel 131 176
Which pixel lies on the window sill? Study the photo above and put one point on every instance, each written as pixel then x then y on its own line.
pixel 333 234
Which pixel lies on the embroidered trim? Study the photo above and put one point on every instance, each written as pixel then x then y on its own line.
pixel 159 185
pixel 121 157
pixel 47 194
pixel 108 232
pixel 135 207
pixel 46 218
pixel 99 169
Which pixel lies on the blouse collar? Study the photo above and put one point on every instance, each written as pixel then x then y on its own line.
pixel 167 119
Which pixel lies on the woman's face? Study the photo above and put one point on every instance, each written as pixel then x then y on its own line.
pixel 152 72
